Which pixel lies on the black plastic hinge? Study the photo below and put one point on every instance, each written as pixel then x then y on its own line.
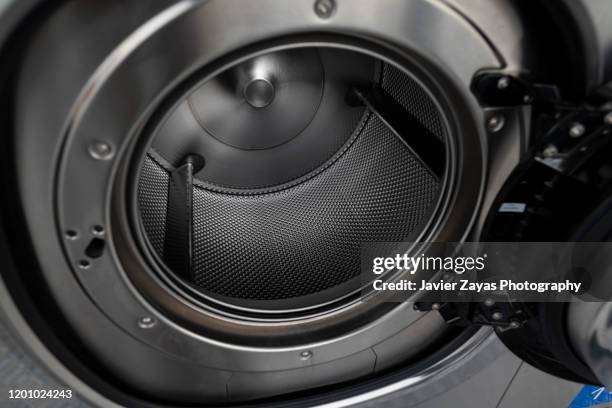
pixel 500 315
pixel 500 89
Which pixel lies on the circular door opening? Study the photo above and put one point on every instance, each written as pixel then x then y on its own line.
pixel 264 180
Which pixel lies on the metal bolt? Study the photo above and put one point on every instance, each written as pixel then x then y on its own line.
pixel 496 123
pixel 497 316
pixel 550 151
pixel 325 8
pixel 503 83
pixel 101 151
pixel 608 119
pixel 489 302
pixel 435 306
pixel 305 355
pixel 146 322
pixel 577 130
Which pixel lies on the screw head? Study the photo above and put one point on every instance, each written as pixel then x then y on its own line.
pixel 496 123
pixel 101 151
pixel 577 130
pixel 489 302
pixel 503 83
pixel 325 8
pixel 608 119
pixel 146 322
pixel 497 316
pixel 435 306
pixel 305 355
pixel 550 151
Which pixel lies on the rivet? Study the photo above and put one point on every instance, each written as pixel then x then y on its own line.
pixel 305 355
pixel 325 8
pixel 101 151
pixel 496 123
pixel 146 322
pixel 577 130
pixel 503 83
pixel 550 151
pixel 497 316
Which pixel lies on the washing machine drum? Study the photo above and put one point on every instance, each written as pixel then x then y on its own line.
pixel 262 184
